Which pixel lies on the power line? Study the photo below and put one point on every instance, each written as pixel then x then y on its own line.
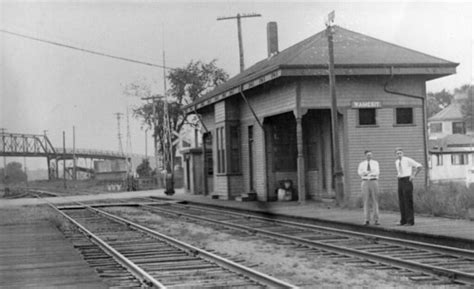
pixel 84 50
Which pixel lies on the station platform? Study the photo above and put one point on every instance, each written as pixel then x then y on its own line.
pixel 36 255
pixel 455 232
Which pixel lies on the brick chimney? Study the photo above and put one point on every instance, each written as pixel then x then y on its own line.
pixel 272 38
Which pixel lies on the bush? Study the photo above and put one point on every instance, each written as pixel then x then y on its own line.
pixel 443 200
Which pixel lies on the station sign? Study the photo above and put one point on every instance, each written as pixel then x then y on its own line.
pixel 366 104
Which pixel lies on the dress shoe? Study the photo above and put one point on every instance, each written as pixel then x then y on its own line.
pixel 409 224
pixel 366 223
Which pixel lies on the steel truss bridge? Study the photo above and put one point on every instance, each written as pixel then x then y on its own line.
pixel 31 145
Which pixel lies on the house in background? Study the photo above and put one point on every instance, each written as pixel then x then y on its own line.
pixel 272 122
pixel 451 145
pixel 448 121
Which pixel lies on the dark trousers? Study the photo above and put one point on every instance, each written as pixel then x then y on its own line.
pixel 405 200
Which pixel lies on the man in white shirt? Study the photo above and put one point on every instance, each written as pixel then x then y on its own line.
pixel 407 169
pixel 369 172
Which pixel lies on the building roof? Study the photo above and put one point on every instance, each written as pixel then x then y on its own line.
pixel 452 143
pixel 451 112
pixel 352 51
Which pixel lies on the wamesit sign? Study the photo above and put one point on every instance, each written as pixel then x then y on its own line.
pixel 366 104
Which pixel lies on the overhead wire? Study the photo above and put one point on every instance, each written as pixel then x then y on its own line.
pixel 84 49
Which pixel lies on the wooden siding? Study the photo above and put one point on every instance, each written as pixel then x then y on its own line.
pixel 382 141
pixel 219 111
pixel 270 101
pixel 209 121
pixel 315 93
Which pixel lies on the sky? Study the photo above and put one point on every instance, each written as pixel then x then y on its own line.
pixel 46 87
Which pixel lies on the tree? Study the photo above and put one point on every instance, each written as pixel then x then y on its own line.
pixel 186 85
pixel 467 104
pixel 144 169
pixel 438 101
pixel 15 174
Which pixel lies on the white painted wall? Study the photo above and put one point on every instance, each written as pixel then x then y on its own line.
pixel 448 171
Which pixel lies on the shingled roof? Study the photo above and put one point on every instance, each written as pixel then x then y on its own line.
pixel 451 112
pixel 351 50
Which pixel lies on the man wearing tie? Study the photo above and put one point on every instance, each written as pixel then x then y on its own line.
pixel 407 169
pixel 369 172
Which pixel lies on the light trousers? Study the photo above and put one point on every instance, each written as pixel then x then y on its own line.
pixel 370 192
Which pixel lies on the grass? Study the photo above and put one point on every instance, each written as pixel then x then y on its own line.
pixel 440 200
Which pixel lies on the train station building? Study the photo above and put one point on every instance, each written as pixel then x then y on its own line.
pixel 272 122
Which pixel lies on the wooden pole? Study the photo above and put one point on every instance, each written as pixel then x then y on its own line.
pixel 64 159
pixel 338 173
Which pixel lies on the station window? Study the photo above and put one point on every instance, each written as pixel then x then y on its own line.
pixel 439 160
pixel 367 116
pixel 436 127
pixel 404 115
pixel 234 131
pixel 459 127
pixel 220 145
pixel 459 159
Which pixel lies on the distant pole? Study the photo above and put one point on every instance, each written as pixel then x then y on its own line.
pixel 146 143
pixel 26 172
pixel 74 171
pixel 168 150
pixel 119 134
pixel 64 159
pixel 338 173
pixel 239 34
pixel 48 160
pixel 4 144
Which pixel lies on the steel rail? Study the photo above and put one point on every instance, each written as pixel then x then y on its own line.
pixel 136 271
pixel 248 272
pixel 458 252
pixel 393 261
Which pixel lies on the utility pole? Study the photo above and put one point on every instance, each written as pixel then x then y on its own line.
pixel 168 149
pixel 64 159
pixel 4 144
pixel 74 171
pixel 154 101
pixel 338 173
pixel 239 33
pixel 128 145
pixel 119 135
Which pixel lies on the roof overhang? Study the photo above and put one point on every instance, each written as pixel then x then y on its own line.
pixel 430 71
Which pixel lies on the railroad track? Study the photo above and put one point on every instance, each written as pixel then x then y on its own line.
pixel 129 255
pixel 417 260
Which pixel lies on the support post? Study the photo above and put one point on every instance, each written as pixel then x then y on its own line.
pixel 339 186
pixel 300 161
pixel 204 165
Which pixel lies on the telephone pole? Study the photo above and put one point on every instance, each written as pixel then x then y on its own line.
pixel 119 135
pixel 4 144
pixel 239 33
pixel 338 173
